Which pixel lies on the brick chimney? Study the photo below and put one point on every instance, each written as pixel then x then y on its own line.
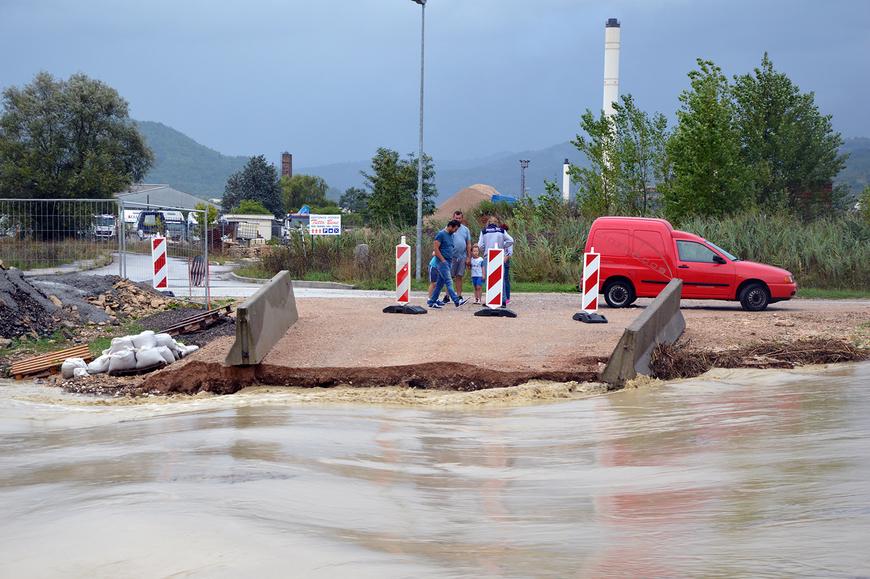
pixel 286 164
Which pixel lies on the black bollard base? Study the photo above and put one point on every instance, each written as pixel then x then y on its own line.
pixel 495 313
pixel 405 309
pixel 587 318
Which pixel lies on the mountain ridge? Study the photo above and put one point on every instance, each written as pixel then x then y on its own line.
pixel 189 166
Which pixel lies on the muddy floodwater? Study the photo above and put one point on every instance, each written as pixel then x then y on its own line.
pixel 739 473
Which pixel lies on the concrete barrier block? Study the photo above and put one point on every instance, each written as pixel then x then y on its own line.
pixel 661 322
pixel 262 320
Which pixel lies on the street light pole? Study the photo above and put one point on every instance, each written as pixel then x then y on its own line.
pixel 419 244
pixel 524 164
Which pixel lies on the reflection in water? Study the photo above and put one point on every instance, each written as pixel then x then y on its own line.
pixel 742 473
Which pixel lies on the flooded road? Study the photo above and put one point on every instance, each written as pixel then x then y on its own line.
pixel 745 473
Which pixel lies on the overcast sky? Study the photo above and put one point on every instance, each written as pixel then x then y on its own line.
pixel 331 80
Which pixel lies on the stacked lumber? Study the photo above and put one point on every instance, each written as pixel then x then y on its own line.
pixel 48 363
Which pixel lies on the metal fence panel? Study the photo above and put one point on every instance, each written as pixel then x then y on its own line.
pixel 185 245
pixel 101 237
pixel 58 235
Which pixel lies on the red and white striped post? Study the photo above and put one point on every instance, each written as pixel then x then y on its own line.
pixel 160 263
pixel 403 272
pixel 591 272
pixel 494 277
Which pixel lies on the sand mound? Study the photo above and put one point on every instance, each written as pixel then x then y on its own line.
pixel 465 200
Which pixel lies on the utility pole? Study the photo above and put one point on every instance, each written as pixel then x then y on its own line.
pixel 524 164
pixel 419 245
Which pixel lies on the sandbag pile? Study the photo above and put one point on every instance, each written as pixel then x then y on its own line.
pixel 145 351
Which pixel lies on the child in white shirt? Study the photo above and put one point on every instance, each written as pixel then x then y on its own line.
pixel 476 273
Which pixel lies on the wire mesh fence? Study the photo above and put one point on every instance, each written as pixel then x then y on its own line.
pixel 50 235
pixel 105 236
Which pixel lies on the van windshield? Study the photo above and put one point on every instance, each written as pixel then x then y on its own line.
pixel 727 254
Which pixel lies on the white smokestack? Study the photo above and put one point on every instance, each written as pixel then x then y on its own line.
pixel 566 182
pixel 611 65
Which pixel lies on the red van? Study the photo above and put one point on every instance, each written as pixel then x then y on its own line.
pixel 639 256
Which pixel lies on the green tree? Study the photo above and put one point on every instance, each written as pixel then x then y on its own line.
pixel 709 177
pixel 596 183
pixel 863 204
pixel 300 190
pixel 67 139
pixel 640 157
pixel 355 200
pixel 257 181
pixel 627 157
pixel 393 188
pixel 209 216
pixel 789 146
pixel 250 207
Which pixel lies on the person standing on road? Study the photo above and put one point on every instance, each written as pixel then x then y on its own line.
pixel 461 253
pixel 491 236
pixel 508 254
pixel 494 236
pixel 444 255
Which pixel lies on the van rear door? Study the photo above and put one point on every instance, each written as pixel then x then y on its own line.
pixel 655 267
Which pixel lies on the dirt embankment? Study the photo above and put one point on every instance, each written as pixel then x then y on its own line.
pixel 687 359
pixel 198 376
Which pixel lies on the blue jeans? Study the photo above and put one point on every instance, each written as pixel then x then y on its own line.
pixel 506 290
pixel 506 282
pixel 444 280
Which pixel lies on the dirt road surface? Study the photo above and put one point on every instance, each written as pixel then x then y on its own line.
pixel 351 340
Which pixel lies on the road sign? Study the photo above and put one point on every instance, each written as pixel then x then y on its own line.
pixel 591 271
pixel 403 272
pixel 159 262
pixel 324 224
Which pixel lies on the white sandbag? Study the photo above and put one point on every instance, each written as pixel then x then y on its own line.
pixel 124 360
pixel 121 344
pixel 67 369
pixel 164 340
pixel 167 354
pixel 144 340
pixel 80 373
pixel 148 357
pixel 99 366
pixel 107 351
pixel 188 350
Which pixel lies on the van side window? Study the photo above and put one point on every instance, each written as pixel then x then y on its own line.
pixel 694 251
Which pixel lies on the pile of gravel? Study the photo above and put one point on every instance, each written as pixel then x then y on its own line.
pixel 24 309
pixel 37 307
pixel 225 325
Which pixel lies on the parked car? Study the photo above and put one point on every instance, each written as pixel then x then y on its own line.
pixel 639 256
pixel 168 223
pixel 103 226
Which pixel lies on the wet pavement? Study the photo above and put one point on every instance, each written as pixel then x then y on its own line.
pixel 742 473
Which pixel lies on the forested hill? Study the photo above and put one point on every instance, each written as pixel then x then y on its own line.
pixel 188 166
pixel 185 164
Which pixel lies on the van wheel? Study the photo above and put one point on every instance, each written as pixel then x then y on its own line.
pixel 754 297
pixel 619 294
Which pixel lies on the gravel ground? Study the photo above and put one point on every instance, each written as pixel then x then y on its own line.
pixel 226 326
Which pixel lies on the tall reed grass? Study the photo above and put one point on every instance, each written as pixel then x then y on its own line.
pixel 829 253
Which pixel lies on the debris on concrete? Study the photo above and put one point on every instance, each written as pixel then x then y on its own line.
pixel 38 307
pixel 24 309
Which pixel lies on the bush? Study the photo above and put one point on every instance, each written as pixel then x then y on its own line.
pixel 830 253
